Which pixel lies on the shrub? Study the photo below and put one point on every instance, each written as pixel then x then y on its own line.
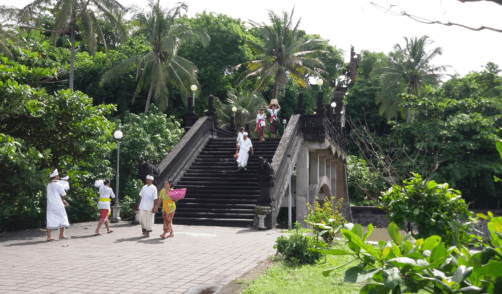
pixel 434 208
pixel 324 213
pixel 299 248
pixel 407 266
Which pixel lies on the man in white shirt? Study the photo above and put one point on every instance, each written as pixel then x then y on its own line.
pixel 239 137
pixel 147 202
pixel 244 146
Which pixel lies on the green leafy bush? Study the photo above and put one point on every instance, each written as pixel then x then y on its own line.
pixel 299 248
pixel 324 213
pixel 407 266
pixel 434 208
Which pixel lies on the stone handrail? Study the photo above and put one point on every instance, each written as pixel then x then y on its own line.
pixel 289 145
pixel 184 153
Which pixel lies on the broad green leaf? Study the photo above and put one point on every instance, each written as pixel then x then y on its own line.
pixel 438 252
pixel 431 243
pixel 385 252
pixel 357 274
pixel 374 289
pixel 353 238
pixel 470 289
pixel 419 243
pixel 461 273
pixel 332 251
pixel 393 230
pixel 487 254
pixel 368 232
pixel 358 230
pixel 391 277
pixel 499 146
pixel 416 263
pixel 493 269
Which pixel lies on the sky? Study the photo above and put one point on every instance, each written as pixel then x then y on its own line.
pixel 361 24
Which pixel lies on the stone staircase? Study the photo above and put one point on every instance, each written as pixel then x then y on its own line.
pixel 217 194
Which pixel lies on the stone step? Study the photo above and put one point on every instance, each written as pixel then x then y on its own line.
pixel 223 184
pixel 244 223
pixel 191 209
pixel 215 215
pixel 221 200
pixel 188 204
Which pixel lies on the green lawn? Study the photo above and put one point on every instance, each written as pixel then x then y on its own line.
pixel 285 277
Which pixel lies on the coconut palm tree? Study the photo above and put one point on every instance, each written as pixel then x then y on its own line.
pixel 73 14
pixel 284 53
pixel 409 69
pixel 247 103
pixel 161 65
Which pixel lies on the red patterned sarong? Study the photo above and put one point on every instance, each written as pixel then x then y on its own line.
pixel 168 222
pixel 103 214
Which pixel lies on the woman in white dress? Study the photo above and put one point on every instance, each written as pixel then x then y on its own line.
pixel 56 213
pixel 105 195
pixel 260 124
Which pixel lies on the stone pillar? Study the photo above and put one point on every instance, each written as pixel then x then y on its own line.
pixel 247 130
pixel 299 108
pixel 302 184
pixel 232 124
pixel 320 103
pixel 333 179
pixel 190 116
pixel 341 188
pixel 211 111
pixel 313 174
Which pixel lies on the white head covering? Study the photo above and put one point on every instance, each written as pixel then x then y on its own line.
pixel 149 177
pixel 98 183
pixel 65 178
pixel 54 173
pixel 245 134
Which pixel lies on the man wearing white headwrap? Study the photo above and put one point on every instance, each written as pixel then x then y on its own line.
pixel 146 205
pixel 244 146
pixel 56 213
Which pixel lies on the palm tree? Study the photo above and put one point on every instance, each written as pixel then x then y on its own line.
pixel 162 64
pixel 247 103
pixel 409 69
pixel 284 52
pixel 71 14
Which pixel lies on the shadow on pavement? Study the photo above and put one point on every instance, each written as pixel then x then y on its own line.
pixel 152 241
pixel 83 237
pixel 249 230
pixel 128 239
pixel 29 243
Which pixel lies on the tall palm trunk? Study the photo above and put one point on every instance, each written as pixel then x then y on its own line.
pixel 408 114
pixel 150 92
pixel 72 62
pixel 276 90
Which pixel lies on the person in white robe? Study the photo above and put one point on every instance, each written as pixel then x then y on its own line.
pixel 146 206
pixel 56 213
pixel 105 195
pixel 260 124
pixel 244 146
pixel 239 137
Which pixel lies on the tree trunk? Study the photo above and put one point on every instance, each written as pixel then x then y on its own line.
pixel 72 62
pixel 276 91
pixel 150 92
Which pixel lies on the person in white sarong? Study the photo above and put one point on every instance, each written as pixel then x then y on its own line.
pixel 56 213
pixel 239 137
pixel 260 124
pixel 147 203
pixel 244 146
pixel 105 195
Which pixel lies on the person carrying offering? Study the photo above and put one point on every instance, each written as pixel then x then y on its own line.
pixel 244 146
pixel 260 124
pixel 56 213
pixel 105 195
pixel 146 209
pixel 274 119
pixel 168 209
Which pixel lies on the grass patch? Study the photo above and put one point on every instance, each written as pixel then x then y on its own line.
pixel 286 277
pixel 301 231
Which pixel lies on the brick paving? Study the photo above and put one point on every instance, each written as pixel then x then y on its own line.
pixel 125 262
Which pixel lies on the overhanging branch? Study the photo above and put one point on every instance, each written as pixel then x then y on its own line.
pixel 428 21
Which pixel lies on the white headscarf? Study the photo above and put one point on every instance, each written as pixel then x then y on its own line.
pixel 54 173
pixel 149 177
pixel 245 134
pixel 65 178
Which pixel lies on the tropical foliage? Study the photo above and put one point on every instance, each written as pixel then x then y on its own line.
pixel 247 104
pixel 162 64
pixel 409 68
pixel 284 52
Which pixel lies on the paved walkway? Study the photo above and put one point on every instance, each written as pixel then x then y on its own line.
pixel 125 262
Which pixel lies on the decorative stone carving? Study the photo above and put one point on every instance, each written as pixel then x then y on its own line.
pixel 146 168
pixel 265 172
